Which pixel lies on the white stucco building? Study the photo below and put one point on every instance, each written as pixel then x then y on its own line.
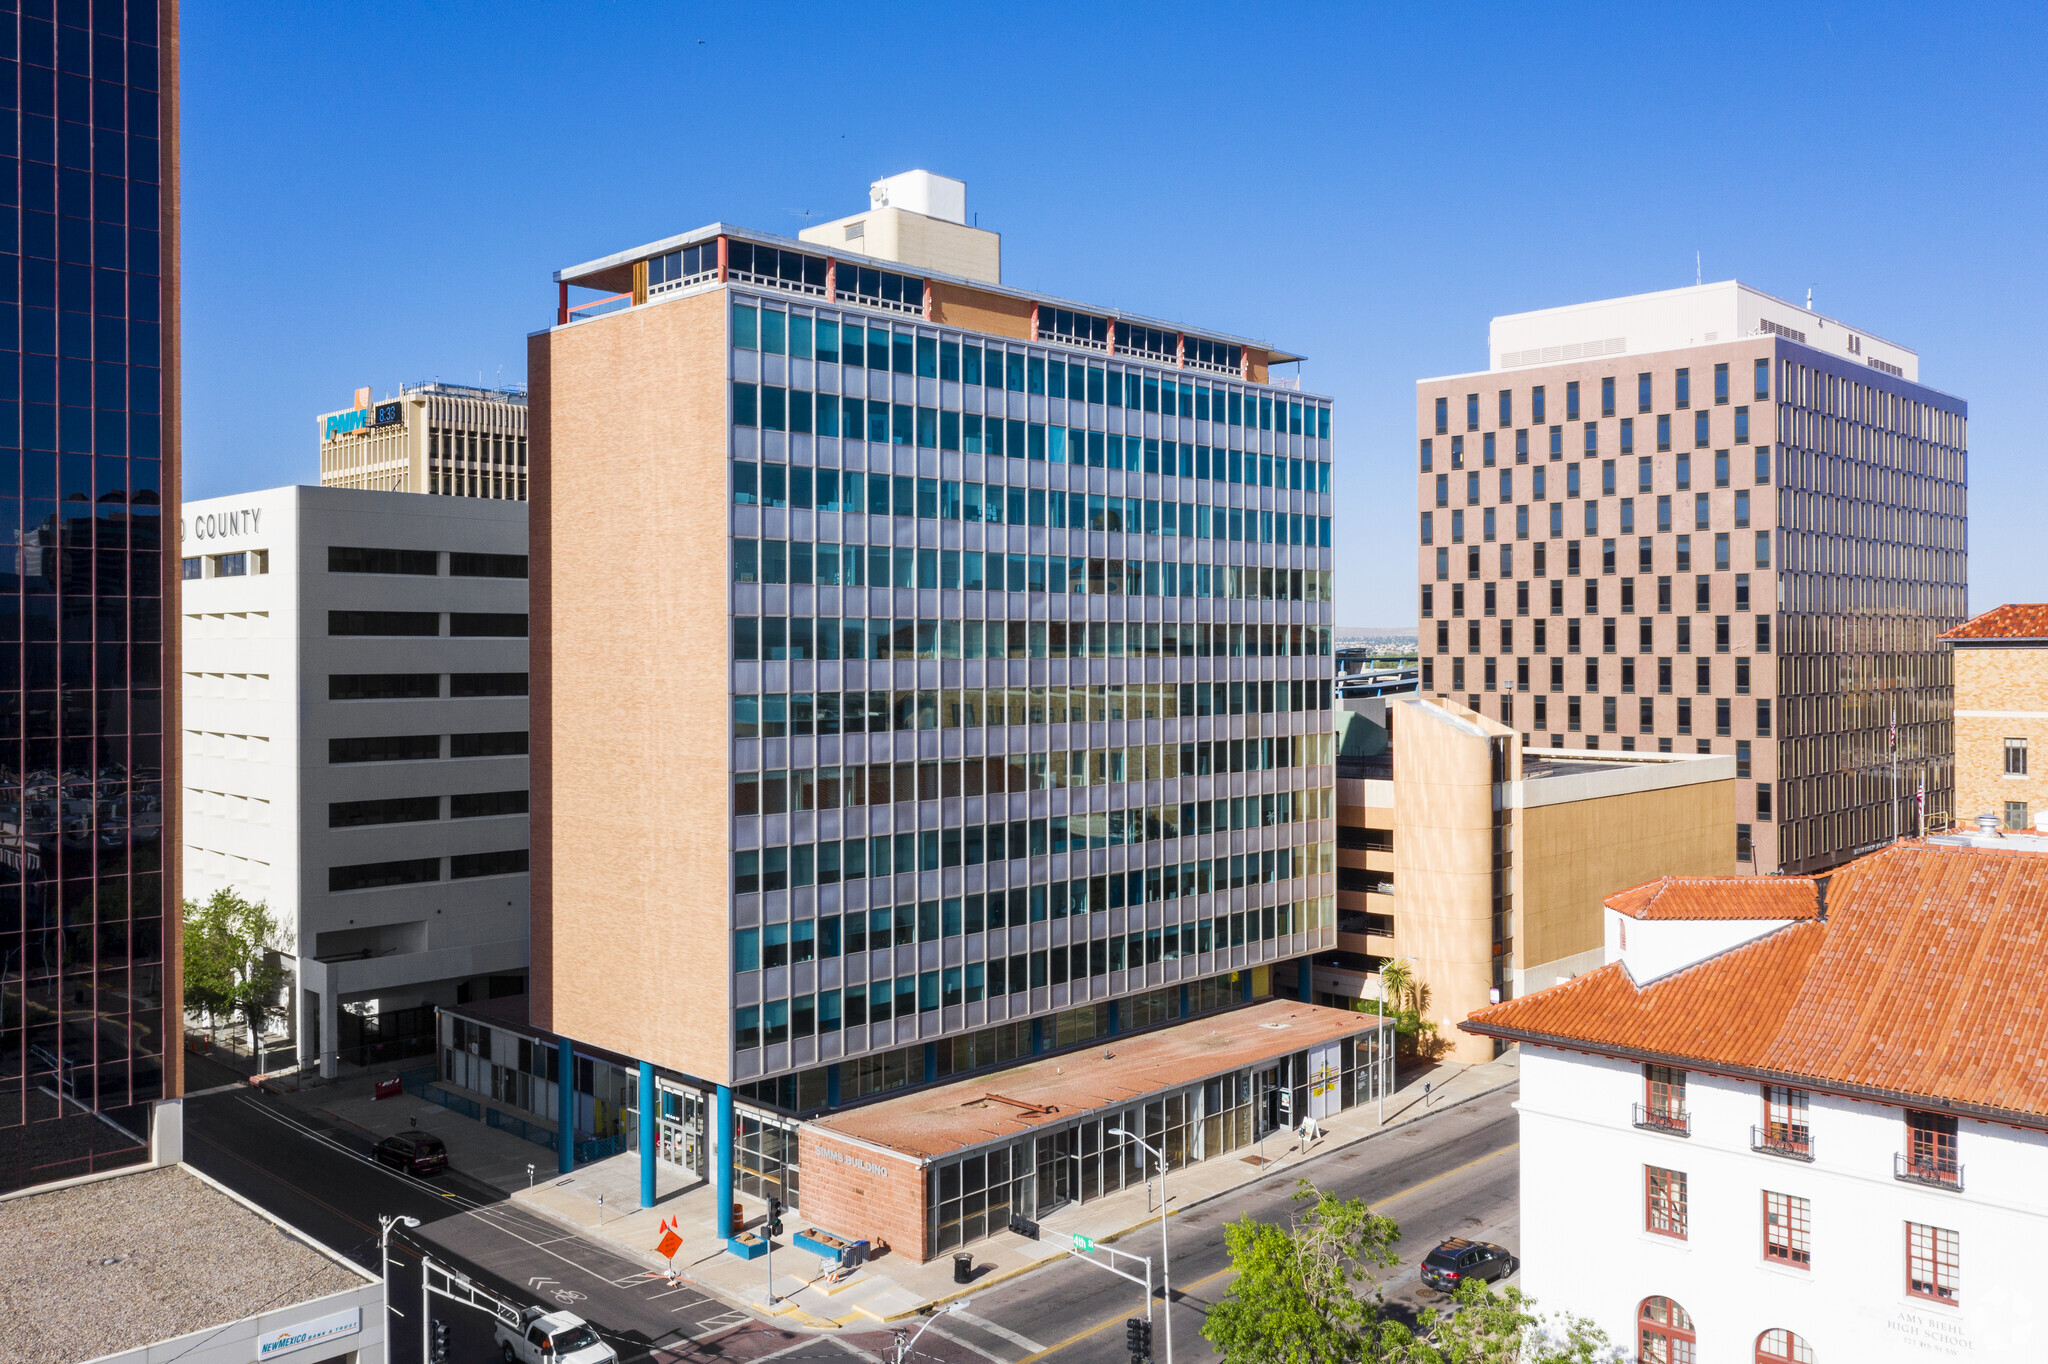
pixel 355 736
pixel 1798 1119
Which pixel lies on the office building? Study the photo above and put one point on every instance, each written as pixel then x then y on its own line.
pixel 355 734
pixel 89 926
pixel 1703 520
pixel 1483 864
pixel 929 673
pixel 450 439
pixel 1798 1118
pixel 2001 717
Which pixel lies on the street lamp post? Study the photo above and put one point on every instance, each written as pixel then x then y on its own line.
pixel 903 1347
pixel 385 1226
pixel 1165 1271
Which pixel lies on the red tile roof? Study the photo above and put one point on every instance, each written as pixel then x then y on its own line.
pixel 2014 620
pixel 1720 897
pixel 1927 981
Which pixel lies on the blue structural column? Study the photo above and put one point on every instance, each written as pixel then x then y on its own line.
pixel 721 1157
pixel 832 1085
pixel 1183 1002
pixel 1113 1017
pixel 1304 981
pixel 931 1062
pixel 565 1106
pixel 647 1134
pixel 1037 1036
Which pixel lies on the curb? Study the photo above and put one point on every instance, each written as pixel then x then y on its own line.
pixel 983 1284
pixel 979 1284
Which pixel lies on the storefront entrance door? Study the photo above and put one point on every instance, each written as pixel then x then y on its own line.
pixel 680 1137
pixel 1055 1171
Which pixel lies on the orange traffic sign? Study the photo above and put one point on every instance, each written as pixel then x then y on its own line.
pixel 670 1244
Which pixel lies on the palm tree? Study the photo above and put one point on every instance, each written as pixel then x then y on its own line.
pixel 1397 980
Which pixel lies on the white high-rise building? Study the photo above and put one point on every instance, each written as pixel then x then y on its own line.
pixel 355 737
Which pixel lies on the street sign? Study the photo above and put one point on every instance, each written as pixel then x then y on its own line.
pixel 670 1244
pixel 1083 1242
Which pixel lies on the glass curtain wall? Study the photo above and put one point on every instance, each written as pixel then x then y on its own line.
pixel 87 259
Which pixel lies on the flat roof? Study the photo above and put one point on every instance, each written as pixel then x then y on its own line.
pixel 118 1263
pixel 574 274
pixel 1112 1071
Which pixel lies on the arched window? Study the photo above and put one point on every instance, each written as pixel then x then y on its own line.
pixel 1780 1346
pixel 1664 1332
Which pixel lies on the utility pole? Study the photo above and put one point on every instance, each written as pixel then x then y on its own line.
pixel 771 1228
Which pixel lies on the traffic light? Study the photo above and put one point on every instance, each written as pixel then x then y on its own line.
pixel 439 1353
pixel 1138 1338
pixel 775 1217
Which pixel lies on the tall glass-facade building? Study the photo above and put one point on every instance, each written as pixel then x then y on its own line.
pixel 88 467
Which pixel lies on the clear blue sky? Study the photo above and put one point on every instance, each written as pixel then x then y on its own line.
pixel 378 193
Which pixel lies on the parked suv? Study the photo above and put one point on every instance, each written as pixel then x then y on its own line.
pixel 1458 1259
pixel 416 1153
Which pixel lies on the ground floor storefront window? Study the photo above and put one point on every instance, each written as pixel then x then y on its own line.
pixel 976 1195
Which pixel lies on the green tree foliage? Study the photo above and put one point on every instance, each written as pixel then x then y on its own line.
pixel 1405 1001
pixel 1310 1293
pixel 1307 1293
pixel 231 969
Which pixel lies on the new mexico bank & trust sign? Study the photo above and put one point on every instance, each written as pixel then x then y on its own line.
pixel 221 525
pixel 307 1333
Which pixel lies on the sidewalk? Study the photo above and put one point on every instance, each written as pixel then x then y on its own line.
pixel 893 1287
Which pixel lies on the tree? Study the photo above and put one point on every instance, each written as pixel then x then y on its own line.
pixel 1306 1293
pixel 231 968
pixel 1405 1000
pixel 1309 1293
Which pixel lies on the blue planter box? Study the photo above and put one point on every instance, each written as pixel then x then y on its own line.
pixel 747 1246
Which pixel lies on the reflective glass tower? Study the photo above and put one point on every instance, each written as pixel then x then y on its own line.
pixel 88 468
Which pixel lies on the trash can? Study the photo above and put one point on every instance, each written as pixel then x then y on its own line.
pixel 963 1269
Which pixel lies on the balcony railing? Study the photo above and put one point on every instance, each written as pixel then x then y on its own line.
pixel 1794 1143
pixel 1937 1171
pixel 1662 1120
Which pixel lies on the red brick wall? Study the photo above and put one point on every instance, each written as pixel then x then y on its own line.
pixel 843 1195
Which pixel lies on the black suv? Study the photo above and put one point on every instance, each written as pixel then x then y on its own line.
pixel 1458 1259
pixel 416 1153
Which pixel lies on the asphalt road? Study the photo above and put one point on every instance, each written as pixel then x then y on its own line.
pixel 1453 1174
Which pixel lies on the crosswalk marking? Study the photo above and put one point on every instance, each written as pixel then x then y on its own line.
pixel 963 1343
pixel 1025 1343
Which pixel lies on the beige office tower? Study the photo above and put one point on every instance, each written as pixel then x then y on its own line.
pixel 1705 520
pixel 449 439
pixel 1483 864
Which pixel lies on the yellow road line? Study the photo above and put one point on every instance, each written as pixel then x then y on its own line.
pixel 1225 1272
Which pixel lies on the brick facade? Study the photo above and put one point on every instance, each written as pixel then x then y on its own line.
pixel 2001 693
pixel 864 1193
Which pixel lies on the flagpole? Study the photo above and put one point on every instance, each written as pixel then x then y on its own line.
pixel 1895 768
